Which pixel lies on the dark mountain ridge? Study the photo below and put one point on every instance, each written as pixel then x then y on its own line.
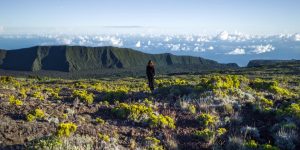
pixel 274 63
pixel 81 58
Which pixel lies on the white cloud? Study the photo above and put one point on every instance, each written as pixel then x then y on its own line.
pixel 149 42
pixel 138 44
pixel 175 47
pixel 203 39
pixel 116 41
pixel 210 48
pixel 237 51
pixel 223 35
pixel 167 39
pixel 296 37
pixel 259 49
pixel 196 49
pixel 66 41
pixel 233 37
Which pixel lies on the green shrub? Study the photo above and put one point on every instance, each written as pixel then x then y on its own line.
pixel 66 129
pixel 135 112
pixel 264 105
pixel 14 101
pixel 271 86
pixel 266 102
pixel 228 108
pixel 293 110
pixel 153 143
pixel 84 96
pixel 161 121
pixel 147 102
pixel 6 79
pixel 36 114
pixel 104 137
pixel 23 92
pixel 269 147
pixel 38 95
pixel 207 135
pixel 141 113
pixel 39 113
pixel 192 108
pixel 81 85
pixel 221 85
pixel 54 92
pixel 206 119
pixel 105 103
pixel 51 142
pixel 100 121
pixel 251 144
pixel 221 131
pixel 30 117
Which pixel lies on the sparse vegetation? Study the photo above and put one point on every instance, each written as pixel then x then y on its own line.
pixel 140 113
pixel 84 96
pixel 212 111
pixel 14 101
pixel 153 143
pixel 66 129
pixel 207 119
pixel 36 114
pixel 104 137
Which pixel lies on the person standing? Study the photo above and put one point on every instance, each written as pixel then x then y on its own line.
pixel 150 71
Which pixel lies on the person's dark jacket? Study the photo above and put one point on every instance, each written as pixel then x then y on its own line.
pixel 150 71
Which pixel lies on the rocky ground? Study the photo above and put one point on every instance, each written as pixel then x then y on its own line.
pixel 214 111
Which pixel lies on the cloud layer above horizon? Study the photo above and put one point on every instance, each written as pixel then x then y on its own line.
pixel 224 47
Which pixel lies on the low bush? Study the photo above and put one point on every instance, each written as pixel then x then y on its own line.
pixel 269 147
pixel 206 119
pixel 251 144
pixel 153 143
pixel 140 113
pixel 104 137
pixel 221 85
pixel 161 121
pixel 36 114
pixel 100 121
pixel 66 129
pixel 221 131
pixel 270 86
pixel 192 109
pixel 51 142
pixel 23 92
pixel 14 101
pixel 207 135
pixel 53 92
pixel 293 110
pixel 38 95
pixel 84 96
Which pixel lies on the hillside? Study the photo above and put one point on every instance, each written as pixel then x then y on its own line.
pixel 80 58
pixel 260 63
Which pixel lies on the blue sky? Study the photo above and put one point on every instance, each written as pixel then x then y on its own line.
pixel 190 16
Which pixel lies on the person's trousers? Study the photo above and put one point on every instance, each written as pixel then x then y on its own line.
pixel 151 83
